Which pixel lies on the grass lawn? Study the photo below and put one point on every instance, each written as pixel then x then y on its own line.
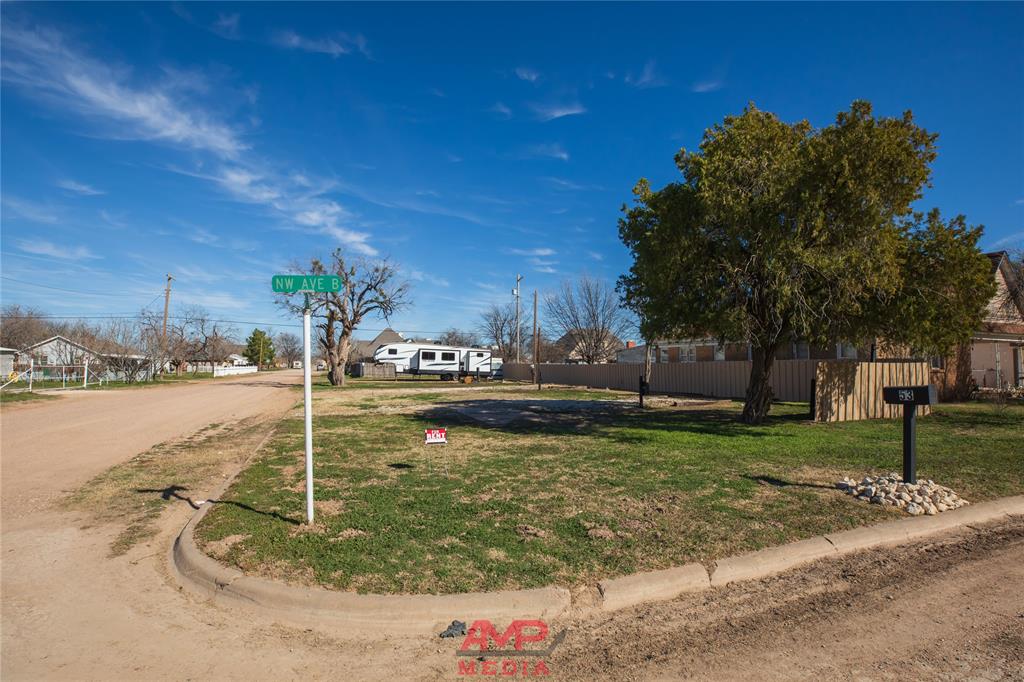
pixel 320 383
pixel 134 494
pixel 23 396
pixel 566 496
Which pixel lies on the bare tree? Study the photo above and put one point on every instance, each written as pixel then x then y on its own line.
pixel 288 346
pixel 370 288
pixel 457 337
pixel 589 315
pixel 498 328
pixel 1011 301
pixel 209 341
pixel 120 346
pixel 21 327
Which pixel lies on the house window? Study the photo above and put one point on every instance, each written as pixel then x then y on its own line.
pixel 846 351
pixel 719 352
pixel 447 357
pixel 938 362
pixel 801 351
pixel 428 355
pixel 392 351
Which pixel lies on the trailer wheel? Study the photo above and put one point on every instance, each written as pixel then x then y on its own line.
pixel 446 377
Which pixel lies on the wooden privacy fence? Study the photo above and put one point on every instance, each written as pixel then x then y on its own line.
pixel 845 389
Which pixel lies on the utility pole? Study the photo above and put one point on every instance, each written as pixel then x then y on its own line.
pixel 259 360
pixel 167 305
pixel 536 342
pixel 515 293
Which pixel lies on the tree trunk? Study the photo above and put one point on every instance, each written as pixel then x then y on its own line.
pixel 647 362
pixel 338 358
pixel 759 390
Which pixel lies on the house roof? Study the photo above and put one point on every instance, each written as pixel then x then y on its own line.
pixel 366 349
pixel 65 340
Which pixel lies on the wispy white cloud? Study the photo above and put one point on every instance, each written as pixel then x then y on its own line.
pixel 112 219
pixel 420 276
pixel 45 248
pixel 197 274
pixel 1019 202
pixel 545 269
pixel 527 74
pixel 595 255
pixel 562 183
pixel 437 92
pixel 548 111
pixel 29 210
pixel 44 64
pixel 453 158
pixel 707 86
pixel 539 251
pixel 1009 240
pixel 203 236
pixel 502 110
pixel 334 45
pixel 648 77
pixel 41 61
pixel 226 26
pixel 79 188
pixel 551 150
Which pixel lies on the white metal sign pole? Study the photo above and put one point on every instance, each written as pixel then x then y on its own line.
pixel 308 404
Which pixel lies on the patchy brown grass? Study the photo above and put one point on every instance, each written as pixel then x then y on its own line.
pixel 135 493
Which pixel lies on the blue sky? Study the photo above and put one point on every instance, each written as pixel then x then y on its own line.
pixel 219 142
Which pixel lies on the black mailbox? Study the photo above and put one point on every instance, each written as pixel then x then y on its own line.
pixel 910 397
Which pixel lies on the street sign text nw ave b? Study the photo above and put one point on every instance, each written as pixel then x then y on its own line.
pixel 311 284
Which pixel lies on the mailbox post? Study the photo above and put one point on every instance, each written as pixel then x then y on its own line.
pixel 909 397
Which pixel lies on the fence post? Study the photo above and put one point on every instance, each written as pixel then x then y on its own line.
pixel 814 397
pixel 31 372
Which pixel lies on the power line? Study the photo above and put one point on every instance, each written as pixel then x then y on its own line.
pixel 77 291
pixel 132 316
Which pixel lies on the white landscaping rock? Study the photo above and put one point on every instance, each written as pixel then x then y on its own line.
pixel 924 497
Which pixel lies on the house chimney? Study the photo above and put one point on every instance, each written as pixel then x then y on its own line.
pixel 630 344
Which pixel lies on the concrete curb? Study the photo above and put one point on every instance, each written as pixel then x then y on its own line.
pixel 345 610
pixel 629 590
pixel 421 613
pixel 770 560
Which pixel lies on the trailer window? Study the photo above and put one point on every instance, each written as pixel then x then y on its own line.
pixel 448 357
pixel 392 351
pixel 479 355
pixel 428 355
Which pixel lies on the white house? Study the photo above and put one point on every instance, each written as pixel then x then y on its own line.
pixel 6 362
pixel 236 360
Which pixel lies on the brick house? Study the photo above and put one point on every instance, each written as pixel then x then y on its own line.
pixel 994 358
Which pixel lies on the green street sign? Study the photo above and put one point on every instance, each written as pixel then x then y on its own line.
pixel 306 284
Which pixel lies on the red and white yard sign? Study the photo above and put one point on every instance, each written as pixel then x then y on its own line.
pixel 435 436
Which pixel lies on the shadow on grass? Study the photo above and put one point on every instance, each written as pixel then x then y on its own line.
pixel 174 492
pixel 782 483
pixel 622 422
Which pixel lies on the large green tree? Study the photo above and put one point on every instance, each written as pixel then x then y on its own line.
pixel 259 348
pixel 783 231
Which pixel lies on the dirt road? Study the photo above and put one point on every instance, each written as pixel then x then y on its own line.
pixel 950 607
pixel 52 446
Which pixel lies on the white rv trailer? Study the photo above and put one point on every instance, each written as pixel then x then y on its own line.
pixel 448 362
